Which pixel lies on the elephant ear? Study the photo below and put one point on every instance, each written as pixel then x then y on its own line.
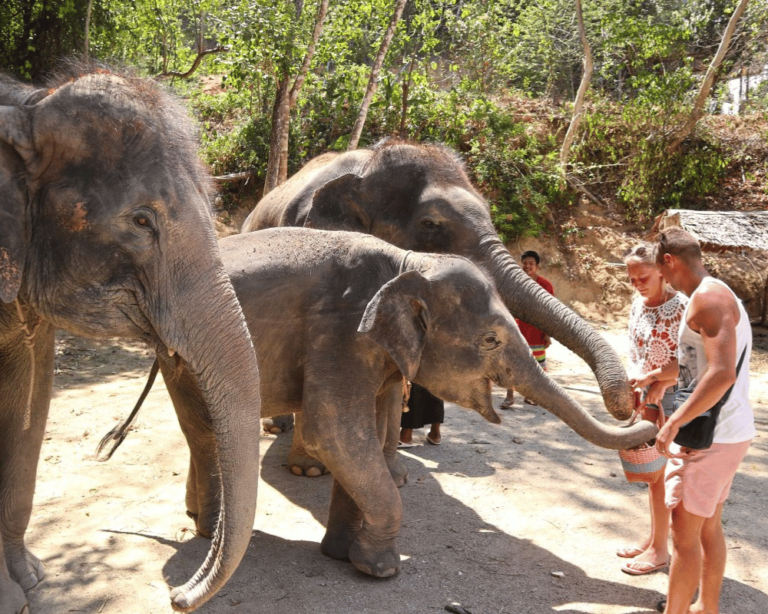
pixel 397 318
pixel 15 147
pixel 338 205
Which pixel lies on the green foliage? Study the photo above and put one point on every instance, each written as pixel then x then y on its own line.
pixel 623 152
pixel 656 180
pixel 36 34
pixel 461 72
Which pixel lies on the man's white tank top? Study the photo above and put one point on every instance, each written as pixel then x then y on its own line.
pixel 736 422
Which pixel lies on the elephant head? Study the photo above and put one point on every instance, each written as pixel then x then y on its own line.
pixel 107 231
pixel 419 197
pixel 446 328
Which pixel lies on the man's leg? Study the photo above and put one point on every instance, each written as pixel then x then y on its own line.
pixel 685 571
pixel 713 565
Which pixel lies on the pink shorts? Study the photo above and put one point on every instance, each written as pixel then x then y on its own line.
pixel 702 480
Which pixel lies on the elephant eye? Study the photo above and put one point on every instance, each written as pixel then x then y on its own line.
pixel 490 341
pixel 143 219
pixel 428 224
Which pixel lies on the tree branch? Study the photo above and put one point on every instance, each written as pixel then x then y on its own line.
pixel 195 64
pixel 357 129
pixel 578 103
pixel 706 85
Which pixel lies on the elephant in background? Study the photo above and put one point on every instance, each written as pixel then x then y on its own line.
pixel 338 319
pixel 106 230
pixel 419 197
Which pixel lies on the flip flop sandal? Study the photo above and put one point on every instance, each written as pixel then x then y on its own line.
pixel 401 445
pixel 433 441
pixel 506 404
pixel 641 567
pixel 629 552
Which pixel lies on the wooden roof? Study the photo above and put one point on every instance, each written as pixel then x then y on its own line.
pixel 720 230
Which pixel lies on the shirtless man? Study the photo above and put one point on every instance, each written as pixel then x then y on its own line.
pixel 714 333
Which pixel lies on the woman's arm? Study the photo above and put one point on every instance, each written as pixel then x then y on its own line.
pixel 667 373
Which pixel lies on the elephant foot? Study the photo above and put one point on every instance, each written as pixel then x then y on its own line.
pixel 12 598
pixel 26 569
pixel 337 545
pixel 398 471
pixel 277 424
pixel 303 464
pixel 376 563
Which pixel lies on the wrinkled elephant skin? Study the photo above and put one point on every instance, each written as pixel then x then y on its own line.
pixel 338 319
pixel 106 230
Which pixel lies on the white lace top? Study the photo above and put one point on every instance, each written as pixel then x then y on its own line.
pixel 653 332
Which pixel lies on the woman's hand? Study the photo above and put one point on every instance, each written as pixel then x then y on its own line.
pixel 656 393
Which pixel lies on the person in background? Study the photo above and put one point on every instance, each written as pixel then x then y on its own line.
pixel 537 340
pixel 423 408
pixel 715 335
pixel 654 321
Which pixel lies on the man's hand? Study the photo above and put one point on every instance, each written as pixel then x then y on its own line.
pixel 666 436
pixel 547 341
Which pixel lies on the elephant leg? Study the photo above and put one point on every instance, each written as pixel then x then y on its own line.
pixel 203 487
pixel 20 450
pixel 300 461
pixel 277 424
pixel 389 409
pixel 12 598
pixel 345 520
pixel 366 511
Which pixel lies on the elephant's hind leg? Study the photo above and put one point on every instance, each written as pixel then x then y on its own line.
pixel 300 461
pixel 277 424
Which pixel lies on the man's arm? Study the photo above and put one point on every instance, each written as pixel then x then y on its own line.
pixel 714 315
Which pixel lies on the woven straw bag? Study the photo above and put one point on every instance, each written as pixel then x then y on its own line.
pixel 643 463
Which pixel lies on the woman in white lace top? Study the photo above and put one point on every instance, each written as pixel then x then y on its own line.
pixel 653 326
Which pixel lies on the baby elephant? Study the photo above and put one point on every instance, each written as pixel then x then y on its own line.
pixel 338 319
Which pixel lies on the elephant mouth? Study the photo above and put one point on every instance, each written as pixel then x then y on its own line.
pixel 483 401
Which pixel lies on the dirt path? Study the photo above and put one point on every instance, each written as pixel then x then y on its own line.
pixel 521 518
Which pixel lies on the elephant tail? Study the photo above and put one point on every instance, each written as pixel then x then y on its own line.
pixel 118 434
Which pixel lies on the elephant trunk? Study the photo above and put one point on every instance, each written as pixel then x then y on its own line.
pixel 531 381
pixel 527 301
pixel 215 343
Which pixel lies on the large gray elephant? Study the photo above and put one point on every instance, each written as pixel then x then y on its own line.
pixel 419 197
pixel 106 230
pixel 338 319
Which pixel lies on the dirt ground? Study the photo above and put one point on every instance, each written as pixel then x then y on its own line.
pixel 519 518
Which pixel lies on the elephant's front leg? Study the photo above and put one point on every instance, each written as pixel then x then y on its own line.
pixel 12 599
pixel 20 447
pixel 365 514
pixel 203 487
pixel 300 461
pixel 389 410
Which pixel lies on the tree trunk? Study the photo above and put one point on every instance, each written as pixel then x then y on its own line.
pixel 293 96
pixel 406 87
pixel 280 114
pixel 706 85
pixel 285 101
pixel 88 29
pixel 357 130
pixel 579 102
